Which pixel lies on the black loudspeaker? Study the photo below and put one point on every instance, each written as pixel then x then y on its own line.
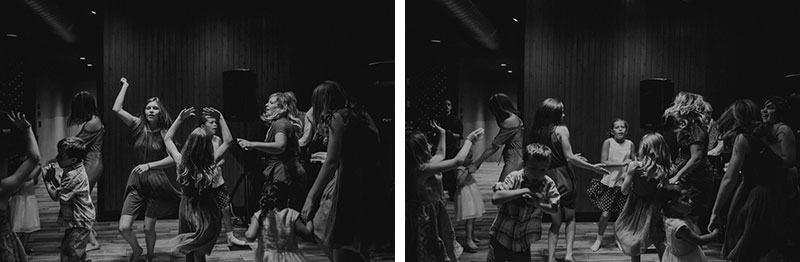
pixel 655 95
pixel 239 95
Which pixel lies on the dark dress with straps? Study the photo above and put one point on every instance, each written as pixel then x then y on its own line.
pixel 640 224
pixel 755 221
pixel 151 189
pixel 560 171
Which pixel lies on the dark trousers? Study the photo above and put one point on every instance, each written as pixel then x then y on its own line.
pixel 73 246
pixel 499 253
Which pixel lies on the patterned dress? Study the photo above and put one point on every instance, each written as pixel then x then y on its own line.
pixel 605 193
pixel 11 249
pixel 276 240
pixel 680 250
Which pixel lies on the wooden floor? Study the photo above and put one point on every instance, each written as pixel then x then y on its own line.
pixel 47 241
pixel 585 234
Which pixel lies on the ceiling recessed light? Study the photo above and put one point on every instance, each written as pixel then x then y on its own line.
pixel 503 65
pixel 11 35
pixel 90 65
pixel 83 58
pixel 93 12
pixel 515 20
pixel 509 71
pixel 436 40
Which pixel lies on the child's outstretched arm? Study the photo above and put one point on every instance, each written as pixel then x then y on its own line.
pixel 689 235
pixel 432 168
pixel 576 159
pixel 168 138
pixel 252 231
pixel 23 173
pixel 502 196
pixel 227 138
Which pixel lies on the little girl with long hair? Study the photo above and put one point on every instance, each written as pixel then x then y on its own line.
pixel 640 223
pixel 199 215
pixel 606 193
pixel 683 238
pixel 430 231
pixel 276 226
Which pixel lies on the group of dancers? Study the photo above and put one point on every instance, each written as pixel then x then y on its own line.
pixel 733 181
pixel 330 211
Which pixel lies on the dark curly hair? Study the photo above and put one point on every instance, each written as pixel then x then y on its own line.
pixel 275 195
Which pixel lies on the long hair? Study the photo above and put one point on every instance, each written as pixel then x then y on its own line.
pixel 742 116
pixel 501 107
pixel 281 111
pixel 654 156
pixel 782 108
pixel 688 107
pixel 548 115
pixel 417 151
pixel 84 106
pixel 164 121
pixel 195 172
pixel 327 97
pixel 295 115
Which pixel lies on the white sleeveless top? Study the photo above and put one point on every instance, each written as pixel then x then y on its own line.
pixel 616 153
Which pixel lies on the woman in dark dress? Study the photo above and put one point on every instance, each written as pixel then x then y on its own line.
pixel 688 112
pixel 148 185
pixel 339 203
pixel 281 147
pixel 749 203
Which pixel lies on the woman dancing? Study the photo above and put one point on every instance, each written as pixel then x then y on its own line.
pixel 510 136
pixel 84 122
pixel 148 184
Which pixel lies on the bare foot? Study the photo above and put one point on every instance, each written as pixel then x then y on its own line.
pixel 569 258
pixel 135 254
pixel 92 246
pixel 596 245
pixel 233 241
pixel 476 239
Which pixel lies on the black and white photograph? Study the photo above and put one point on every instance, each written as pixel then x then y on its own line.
pixel 578 130
pixel 197 130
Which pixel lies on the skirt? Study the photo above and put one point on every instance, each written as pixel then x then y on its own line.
pixel 608 199
pixel 469 203
pixel 24 213
pixel 565 180
pixel 754 224
pixel 639 225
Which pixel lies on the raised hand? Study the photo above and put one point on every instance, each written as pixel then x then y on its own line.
pixel 124 81
pixel 185 113
pixel 437 127
pixel 210 111
pixel 472 137
pixel 18 119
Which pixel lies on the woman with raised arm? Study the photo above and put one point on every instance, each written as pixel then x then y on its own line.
pixel 84 123
pixel 343 224
pixel 11 249
pixel 281 146
pixel 148 185
pixel 199 218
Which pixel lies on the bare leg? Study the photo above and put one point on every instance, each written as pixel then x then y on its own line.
pixel 569 216
pixel 601 229
pixel 228 227
pixel 468 228
pixel 552 238
pixel 150 236
pixel 92 241
pixel 660 247
pixel 126 231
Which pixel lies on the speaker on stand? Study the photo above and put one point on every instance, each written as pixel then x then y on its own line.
pixel 239 101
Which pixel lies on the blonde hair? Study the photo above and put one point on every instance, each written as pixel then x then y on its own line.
pixel 689 107
pixel 654 157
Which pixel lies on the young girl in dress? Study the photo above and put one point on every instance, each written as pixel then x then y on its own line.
pixel 605 193
pixel 683 238
pixel 640 223
pixel 11 249
pixel 25 212
pixel 432 237
pixel 276 226
pixel 469 203
pixel 199 215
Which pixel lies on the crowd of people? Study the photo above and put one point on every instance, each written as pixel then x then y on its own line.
pixel 732 181
pixel 328 209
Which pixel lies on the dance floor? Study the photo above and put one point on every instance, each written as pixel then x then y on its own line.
pixel 585 234
pixel 47 241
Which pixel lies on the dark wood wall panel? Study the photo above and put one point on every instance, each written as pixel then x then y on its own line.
pixel 592 54
pixel 180 58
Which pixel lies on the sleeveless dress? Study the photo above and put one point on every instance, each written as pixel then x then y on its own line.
pixel 680 250
pixel 199 217
pixel 11 249
pixel 561 172
pixel 94 156
pixel 277 239
pixel 152 188
pixel 511 139
pixel 640 223
pixel 606 193
pixel 755 221
pixel 25 209
pixel 469 203
pixel 346 217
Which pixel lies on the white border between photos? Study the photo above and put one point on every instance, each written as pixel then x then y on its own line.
pixel 399 127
